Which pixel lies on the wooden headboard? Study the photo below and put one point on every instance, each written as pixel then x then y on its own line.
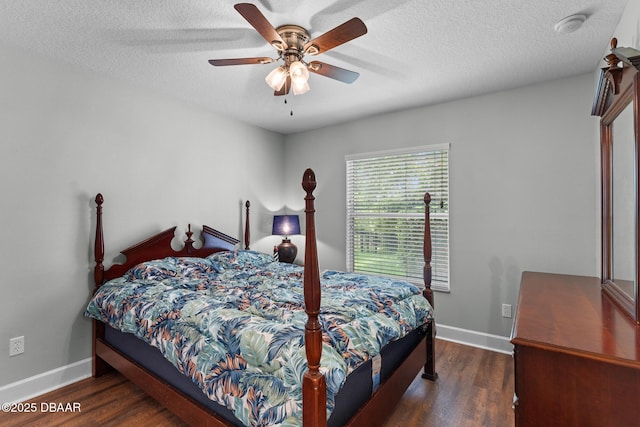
pixel 159 246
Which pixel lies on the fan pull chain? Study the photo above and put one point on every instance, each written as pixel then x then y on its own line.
pixel 286 102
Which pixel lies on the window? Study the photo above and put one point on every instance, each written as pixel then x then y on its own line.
pixel 385 213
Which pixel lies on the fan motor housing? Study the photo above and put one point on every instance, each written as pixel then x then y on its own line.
pixel 295 37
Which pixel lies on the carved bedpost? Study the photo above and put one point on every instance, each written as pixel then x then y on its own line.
pixel 98 366
pixel 98 253
pixel 314 389
pixel 427 251
pixel 246 226
pixel 430 364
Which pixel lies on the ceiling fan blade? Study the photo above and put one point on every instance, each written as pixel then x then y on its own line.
pixel 257 20
pixel 343 33
pixel 333 72
pixel 240 61
pixel 286 87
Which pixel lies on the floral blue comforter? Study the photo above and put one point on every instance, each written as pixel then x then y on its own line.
pixel 234 323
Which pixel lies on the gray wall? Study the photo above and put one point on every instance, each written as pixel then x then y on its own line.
pixel 68 134
pixel 523 179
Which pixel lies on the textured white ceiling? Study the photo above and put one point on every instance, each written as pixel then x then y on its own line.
pixel 416 52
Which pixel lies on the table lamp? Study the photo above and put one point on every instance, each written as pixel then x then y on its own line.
pixel 286 225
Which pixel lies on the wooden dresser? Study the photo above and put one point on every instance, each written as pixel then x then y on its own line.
pixel 577 357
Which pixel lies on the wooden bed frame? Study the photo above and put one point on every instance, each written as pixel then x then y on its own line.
pixel 377 408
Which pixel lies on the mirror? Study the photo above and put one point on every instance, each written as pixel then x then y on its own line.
pixel 623 210
pixel 617 96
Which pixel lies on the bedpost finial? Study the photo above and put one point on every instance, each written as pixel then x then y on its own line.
pixel 99 199
pixel 309 180
pixel 614 43
pixel 427 198
pixel 247 204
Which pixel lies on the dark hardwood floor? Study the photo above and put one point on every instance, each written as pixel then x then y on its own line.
pixel 474 388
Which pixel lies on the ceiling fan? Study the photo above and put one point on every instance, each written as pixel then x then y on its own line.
pixel 292 43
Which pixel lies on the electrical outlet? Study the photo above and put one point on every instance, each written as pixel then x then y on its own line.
pixel 16 346
pixel 506 310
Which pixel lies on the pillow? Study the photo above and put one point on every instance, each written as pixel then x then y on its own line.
pixel 240 259
pixel 153 270
pixel 173 267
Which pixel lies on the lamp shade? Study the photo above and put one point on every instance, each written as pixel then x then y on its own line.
pixel 276 78
pixel 299 77
pixel 285 225
pixel 300 87
pixel 298 70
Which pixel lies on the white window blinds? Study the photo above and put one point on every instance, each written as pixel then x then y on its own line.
pixel 385 213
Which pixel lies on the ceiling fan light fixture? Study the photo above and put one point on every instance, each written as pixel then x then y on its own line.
pixel 300 86
pixel 276 78
pixel 293 42
pixel 298 71
pixel 299 78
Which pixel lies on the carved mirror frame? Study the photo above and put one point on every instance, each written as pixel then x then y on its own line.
pixel 618 87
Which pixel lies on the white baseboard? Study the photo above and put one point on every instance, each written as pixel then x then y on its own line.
pixel 474 339
pixel 45 382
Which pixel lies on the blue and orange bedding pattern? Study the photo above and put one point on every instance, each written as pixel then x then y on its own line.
pixel 234 323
